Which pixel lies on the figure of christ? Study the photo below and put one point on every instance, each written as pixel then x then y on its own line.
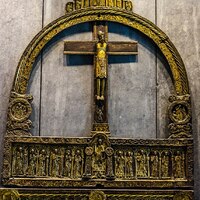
pixel 101 66
pixel 98 166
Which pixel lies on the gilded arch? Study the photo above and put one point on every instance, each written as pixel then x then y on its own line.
pixel 128 18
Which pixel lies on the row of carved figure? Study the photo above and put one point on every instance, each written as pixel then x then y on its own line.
pixel 70 163
pixel 43 162
pixel 79 4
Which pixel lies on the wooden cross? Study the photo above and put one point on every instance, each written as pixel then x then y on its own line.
pixel 101 49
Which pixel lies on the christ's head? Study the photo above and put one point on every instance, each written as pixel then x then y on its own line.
pixel 101 36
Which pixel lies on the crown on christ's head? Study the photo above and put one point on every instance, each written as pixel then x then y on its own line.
pixel 83 4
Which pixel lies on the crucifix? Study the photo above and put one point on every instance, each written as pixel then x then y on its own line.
pixel 101 49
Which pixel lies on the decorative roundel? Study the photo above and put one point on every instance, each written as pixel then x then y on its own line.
pixel 180 112
pixel 10 194
pixel 109 151
pixel 89 151
pixel 97 195
pixel 182 197
pixel 19 110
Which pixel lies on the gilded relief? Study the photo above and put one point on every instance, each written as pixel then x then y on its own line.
pixel 68 164
pixel 179 165
pixel 120 164
pixel 101 160
pixel 141 164
pixel 77 165
pixel 180 115
pixel 18 161
pixel 154 164
pixel 32 162
pixel 126 5
pixel 42 163
pixel 55 163
pixel 129 165
pixel 165 164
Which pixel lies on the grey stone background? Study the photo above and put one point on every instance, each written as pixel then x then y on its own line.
pixel 62 86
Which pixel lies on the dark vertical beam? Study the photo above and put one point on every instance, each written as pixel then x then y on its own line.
pixel 40 103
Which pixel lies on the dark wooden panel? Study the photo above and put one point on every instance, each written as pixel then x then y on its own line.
pixel 122 48
pixel 78 47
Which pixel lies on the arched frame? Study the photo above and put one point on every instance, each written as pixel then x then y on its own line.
pixel 101 14
pixel 174 181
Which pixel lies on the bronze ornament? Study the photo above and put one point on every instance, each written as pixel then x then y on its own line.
pixel 81 162
pixel 19 111
pixel 28 194
pixel 180 114
pixel 97 195
pixel 9 194
pixel 182 196
pixel 98 167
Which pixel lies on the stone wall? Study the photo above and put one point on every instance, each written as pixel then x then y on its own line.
pixel 138 89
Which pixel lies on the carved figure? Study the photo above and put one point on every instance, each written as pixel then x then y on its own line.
pixel 165 164
pixel 19 161
pixel 77 164
pixel 78 4
pixel 99 113
pixel 69 7
pixel 25 168
pixel 19 110
pixel 99 164
pixel 55 163
pixel 14 161
pixel 179 112
pixel 110 3
pixel 120 164
pixel 128 5
pixel 86 3
pixel 178 165
pixel 154 164
pixel 102 2
pixel 141 160
pixel 101 66
pixel 129 164
pixel 32 162
pixel 88 162
pixel 94 3
pixel 68 163
pixel 119 3
pixel 109 174
pixel 42 163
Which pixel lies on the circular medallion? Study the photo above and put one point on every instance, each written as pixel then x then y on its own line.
pixel 109 151
pixel 19 110
pixel 182 197
pixel 97 195
pixel 88 151
pixel 180 112
pixel 10 194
